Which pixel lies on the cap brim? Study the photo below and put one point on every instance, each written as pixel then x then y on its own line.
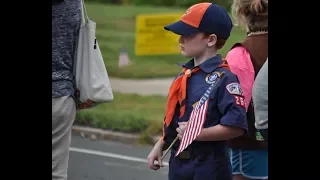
pixel 181 28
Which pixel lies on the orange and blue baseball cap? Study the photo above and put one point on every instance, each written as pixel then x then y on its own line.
pixel 203 17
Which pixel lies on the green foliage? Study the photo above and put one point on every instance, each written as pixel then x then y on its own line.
pixel 127 113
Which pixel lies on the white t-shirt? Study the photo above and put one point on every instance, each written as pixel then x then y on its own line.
pixel 260 97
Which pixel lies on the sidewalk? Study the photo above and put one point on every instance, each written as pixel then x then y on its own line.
pixel 141 87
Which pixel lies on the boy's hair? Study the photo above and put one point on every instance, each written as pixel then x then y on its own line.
pixel 220 41
pixel 252 14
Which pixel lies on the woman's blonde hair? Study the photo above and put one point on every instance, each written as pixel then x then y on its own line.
pixel 252 14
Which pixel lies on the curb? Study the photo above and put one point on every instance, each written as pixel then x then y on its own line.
pixel 99 134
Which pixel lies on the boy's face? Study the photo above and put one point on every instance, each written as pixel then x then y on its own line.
pixel 196 44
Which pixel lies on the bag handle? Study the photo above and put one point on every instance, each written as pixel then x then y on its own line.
pixel 84 13
pixel 84 19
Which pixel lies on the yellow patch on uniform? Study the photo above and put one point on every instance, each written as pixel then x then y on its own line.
pixel 194 105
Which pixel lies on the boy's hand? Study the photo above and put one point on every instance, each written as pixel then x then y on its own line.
pixel 182 127
pixel 155 155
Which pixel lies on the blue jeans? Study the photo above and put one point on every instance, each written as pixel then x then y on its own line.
pixel 252 164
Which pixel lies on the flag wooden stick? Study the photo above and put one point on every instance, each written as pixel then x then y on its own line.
pixel 174 141
pixel 168 149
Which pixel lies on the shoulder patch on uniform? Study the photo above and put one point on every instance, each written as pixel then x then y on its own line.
pixel 234 88
pixel 240 101
pixel 212 77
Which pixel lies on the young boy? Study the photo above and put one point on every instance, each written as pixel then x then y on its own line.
pixel 203 29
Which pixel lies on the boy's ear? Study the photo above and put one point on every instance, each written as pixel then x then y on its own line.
pixel 212 40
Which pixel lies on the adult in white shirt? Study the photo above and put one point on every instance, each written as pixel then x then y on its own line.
pixel 260 101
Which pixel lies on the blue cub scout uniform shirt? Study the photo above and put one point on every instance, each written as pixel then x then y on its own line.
pixel 226 102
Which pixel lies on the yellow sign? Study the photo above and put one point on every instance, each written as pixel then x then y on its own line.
pixel 152 38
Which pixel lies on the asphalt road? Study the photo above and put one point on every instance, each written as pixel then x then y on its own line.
pixel 106 160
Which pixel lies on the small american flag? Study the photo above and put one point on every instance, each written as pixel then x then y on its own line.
pixel 123 58
pixel 196 120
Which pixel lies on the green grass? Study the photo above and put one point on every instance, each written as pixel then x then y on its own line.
pixel 127 113
pixel 116 28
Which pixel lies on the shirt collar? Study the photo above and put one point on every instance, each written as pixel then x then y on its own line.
pixel 207 66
